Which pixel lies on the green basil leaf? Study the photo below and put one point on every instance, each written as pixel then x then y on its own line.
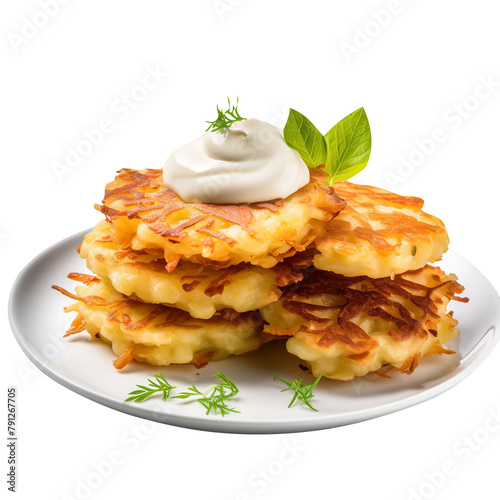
pixel 300 134
pixel 349 144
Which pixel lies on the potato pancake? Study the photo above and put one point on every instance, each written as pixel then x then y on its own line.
pixel 379 234
pixel 199 290
pixel 343 327
pixel 157 334
pixel 147 215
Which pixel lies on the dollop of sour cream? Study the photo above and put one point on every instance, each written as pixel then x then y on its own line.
pixel 247 163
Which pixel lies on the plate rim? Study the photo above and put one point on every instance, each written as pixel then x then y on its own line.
pixel 206 423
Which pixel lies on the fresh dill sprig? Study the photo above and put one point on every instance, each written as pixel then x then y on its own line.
pixel 225 118
pixel 215 397
pixel 160 386
pixel 302 392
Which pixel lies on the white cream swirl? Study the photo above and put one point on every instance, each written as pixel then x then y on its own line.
pixel 247 163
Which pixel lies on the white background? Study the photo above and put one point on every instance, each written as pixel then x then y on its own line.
pixel 412 75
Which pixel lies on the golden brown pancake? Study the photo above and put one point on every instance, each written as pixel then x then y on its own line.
pixel 147 215
pixel 199 290
pixel 157 334
pixel 343 327
pixel 379 234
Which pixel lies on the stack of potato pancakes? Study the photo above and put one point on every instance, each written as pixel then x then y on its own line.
pixel 339 274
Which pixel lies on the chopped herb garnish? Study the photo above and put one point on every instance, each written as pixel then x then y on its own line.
pixel 302 393
pixel 215 397
pixel 160 386
pixel 225 118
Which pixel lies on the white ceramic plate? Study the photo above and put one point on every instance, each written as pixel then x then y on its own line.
pixel 84 366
